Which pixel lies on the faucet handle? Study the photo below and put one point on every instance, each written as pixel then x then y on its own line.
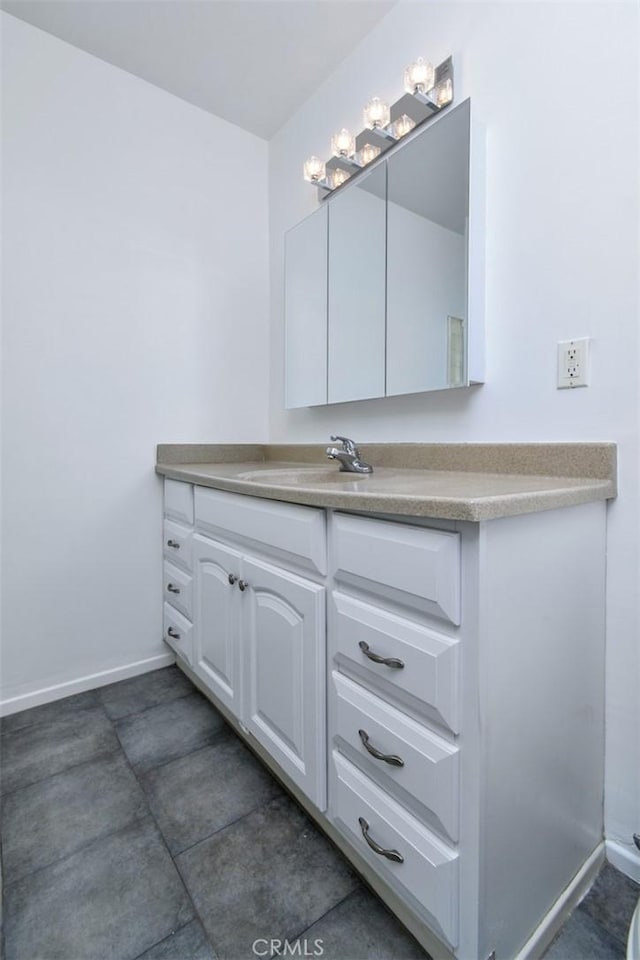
pixel 349 445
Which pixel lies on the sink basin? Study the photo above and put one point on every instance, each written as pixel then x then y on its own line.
pixel 302 476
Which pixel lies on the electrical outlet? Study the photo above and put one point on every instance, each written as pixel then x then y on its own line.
pixel 573 363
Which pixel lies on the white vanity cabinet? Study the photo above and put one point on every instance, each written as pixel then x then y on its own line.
pixel 177 569
pixel 445 725
pixel 259 642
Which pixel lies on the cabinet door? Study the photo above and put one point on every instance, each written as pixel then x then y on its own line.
pixel 217 646
pixel 284 672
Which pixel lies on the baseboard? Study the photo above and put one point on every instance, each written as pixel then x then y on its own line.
pixel 67 689
pixel 623 858
pixel 564 905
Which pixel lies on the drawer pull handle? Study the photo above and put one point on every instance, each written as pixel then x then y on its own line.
pixel 387 757
pixel 232 579
pixel 389 854
pixel 172 588
pixel 387 661
pixel 174 544
pixel 243 585
pixel 173 633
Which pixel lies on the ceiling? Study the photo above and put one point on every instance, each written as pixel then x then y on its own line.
pixel 252 62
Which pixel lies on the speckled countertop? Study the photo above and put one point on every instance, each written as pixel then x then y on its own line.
pixel 465 481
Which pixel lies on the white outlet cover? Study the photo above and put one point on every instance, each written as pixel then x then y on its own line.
pixel 573 363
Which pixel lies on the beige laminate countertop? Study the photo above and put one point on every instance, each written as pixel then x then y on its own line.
pixel 448 481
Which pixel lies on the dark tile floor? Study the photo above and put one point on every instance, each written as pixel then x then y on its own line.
pixel 135 824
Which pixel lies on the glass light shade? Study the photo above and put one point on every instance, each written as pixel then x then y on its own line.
pixel 376 114
pixel 368 153
pixel 314 170
pixel 402 126
pixel 343 144
pixel 338 177
pixel 419 76
pixel 443 93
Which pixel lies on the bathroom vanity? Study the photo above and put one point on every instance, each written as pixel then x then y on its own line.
pixel 418 655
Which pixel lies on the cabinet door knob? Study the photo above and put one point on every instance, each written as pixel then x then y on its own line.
pixel 232 579
pixel 172 588
pixel 389 854
pixel 174 544
pixel 387 757
pixel 173 633
pixel 243 585
pixel 387 661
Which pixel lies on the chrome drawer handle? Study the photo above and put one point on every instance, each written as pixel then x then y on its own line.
pixel 174 544
pixel 243 585
pixel 173 633
pixel 173 589
pixel 387 661
pixel 387 757
pixel 232 579
pixel 389 854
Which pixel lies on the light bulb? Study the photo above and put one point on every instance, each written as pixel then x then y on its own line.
pixel 419 76
pixel 314 170
pixel 339 176
pixel 376 114
pixel 368 153
pixel 402 126
pixel 343 144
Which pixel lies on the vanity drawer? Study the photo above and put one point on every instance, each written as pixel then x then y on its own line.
pixel 429 774
pixel 178 633
pixel 410 565
pixel 178 590
pixel 286 531
pixel 427 681
pixel 178 501
pixel 429 871
pixel 178 544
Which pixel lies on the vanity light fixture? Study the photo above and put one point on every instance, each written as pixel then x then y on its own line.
pixel 427 91
pixel 368 153
pixel 419 76
pixel 376 114
pixel 314 170
pixel 338 176
pixel 402 126
pixel 343 144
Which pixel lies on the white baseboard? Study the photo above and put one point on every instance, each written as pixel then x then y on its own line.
pixel 624 858
pixel 67 689
pixel 564 905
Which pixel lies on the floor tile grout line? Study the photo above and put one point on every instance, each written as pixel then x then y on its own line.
pixel 84 846
pixel 162 703
pixel 196 749
pixel 74 766
pixel 99 704
pixel 196 914
pixel 335 906
pixel 226 826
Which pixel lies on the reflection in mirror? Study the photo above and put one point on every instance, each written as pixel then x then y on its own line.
pixel 357 218
pixel 306 312
pixel 427 234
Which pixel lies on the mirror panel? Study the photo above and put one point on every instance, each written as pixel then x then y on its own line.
pixel 305 307
pixel 356 318
pixel 427 243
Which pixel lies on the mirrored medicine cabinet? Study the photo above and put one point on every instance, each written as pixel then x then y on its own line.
pixel 384 282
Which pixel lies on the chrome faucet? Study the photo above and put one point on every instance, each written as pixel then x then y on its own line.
pixel 348 456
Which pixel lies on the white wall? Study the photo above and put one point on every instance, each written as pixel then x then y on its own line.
pixel 135 312
pixel 556 86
